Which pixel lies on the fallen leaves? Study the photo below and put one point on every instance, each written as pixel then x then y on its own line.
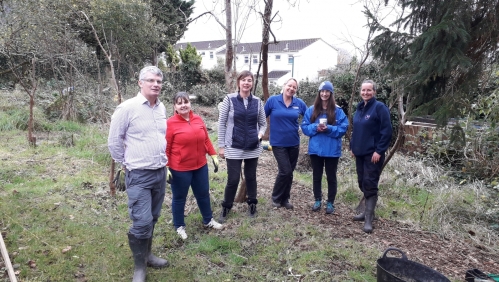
pixel 32 264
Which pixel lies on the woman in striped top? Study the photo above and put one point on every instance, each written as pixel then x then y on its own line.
pixel 241 125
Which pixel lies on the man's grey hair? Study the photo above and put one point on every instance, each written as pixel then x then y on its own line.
pixel 152 69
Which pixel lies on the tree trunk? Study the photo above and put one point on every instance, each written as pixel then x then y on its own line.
pixel 229 51
pixel 265 57
pixel 31 93
pixel 31 138
pixel 265 48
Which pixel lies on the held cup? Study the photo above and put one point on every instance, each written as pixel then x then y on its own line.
pixel 323 121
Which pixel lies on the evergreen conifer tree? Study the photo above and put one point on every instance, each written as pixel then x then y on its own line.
pixel 440 51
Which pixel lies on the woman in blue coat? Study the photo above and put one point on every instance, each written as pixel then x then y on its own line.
pixel 325 124
pixel 284 111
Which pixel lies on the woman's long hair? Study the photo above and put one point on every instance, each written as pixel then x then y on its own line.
pixel 330 111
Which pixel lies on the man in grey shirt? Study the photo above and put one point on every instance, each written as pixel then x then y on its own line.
pixel 137 141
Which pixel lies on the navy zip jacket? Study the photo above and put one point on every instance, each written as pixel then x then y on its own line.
pixel 372 128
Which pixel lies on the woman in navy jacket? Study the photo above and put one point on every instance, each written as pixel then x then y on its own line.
pixel 372 133
pixel 324 146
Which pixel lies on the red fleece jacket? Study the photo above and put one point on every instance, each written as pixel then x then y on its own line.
pixel 187 142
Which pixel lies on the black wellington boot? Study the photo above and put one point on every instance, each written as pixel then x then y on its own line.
pixel 139 251
pixel 252 207
pixel 369 213
pixel 152 260
pixel 223 214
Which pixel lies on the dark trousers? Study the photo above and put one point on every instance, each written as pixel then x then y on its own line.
pixel 286 158
pixel 368 174
pixel 146 193
pixel 233 176
pixel 318 164
pixel 198 181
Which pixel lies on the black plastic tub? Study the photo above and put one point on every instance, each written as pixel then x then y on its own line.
pixel 392 269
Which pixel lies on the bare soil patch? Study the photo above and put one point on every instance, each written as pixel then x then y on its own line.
pixel 449 256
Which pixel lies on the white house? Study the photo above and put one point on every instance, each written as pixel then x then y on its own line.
pixel 207 50
pixel 301 58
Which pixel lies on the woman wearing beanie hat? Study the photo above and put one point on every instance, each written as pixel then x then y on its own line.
pixel 284 110
pixel 325 124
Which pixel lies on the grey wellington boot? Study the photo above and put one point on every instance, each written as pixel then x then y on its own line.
pixel 139 251
pixel 359 217
pixel 369 213
pixel 152 260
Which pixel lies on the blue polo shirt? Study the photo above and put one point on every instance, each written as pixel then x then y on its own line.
pixel 284 121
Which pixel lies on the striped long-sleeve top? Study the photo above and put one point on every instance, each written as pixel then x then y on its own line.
pixel 226 128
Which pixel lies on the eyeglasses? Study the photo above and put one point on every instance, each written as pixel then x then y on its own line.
pixel 152 81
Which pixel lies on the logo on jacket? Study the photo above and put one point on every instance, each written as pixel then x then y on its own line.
pixel 368 117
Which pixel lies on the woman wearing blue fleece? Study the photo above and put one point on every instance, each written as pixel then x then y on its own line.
pixel 325 124
pixel 372 133
pixel 284 110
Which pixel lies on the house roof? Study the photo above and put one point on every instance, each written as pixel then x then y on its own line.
pixel 280 47
pixel 202 45
pixel 277 74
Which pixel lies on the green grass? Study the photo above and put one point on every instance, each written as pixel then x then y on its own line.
pixel 55 196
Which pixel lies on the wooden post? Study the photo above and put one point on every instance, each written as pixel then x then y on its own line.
pixel 5 256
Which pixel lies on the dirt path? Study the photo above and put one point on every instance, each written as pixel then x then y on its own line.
pixel 449 256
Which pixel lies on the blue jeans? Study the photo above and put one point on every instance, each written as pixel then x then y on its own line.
pixel 233 176
pixel 368 174
pixel 146 193
pixel 318 164
pixel 287 158
pixel 198 180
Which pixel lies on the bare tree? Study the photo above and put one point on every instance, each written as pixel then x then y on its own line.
pixel 108 54
pixel 31 41
pixel 29 83
pixel 114 83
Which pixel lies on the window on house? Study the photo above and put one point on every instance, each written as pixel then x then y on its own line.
pixel 201 53
pixel 255 59
pixel 246 59
pixel 277 57
pixel 290 59
pixel 211 55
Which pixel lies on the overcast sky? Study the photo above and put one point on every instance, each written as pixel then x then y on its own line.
pixel 335 21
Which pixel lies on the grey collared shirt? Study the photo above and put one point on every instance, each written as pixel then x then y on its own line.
pixel 137 134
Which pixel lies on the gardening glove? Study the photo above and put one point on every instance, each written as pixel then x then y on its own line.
pixel 266 145
pixel 119 180
pixel 168 176
pixel 214 158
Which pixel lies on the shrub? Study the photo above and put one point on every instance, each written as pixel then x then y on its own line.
pixel 468 148
pixel 18 119
pixel 208 94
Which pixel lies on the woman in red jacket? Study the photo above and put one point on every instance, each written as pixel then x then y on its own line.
pixel 187 143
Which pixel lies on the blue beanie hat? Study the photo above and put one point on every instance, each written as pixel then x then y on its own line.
pixel 326 85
